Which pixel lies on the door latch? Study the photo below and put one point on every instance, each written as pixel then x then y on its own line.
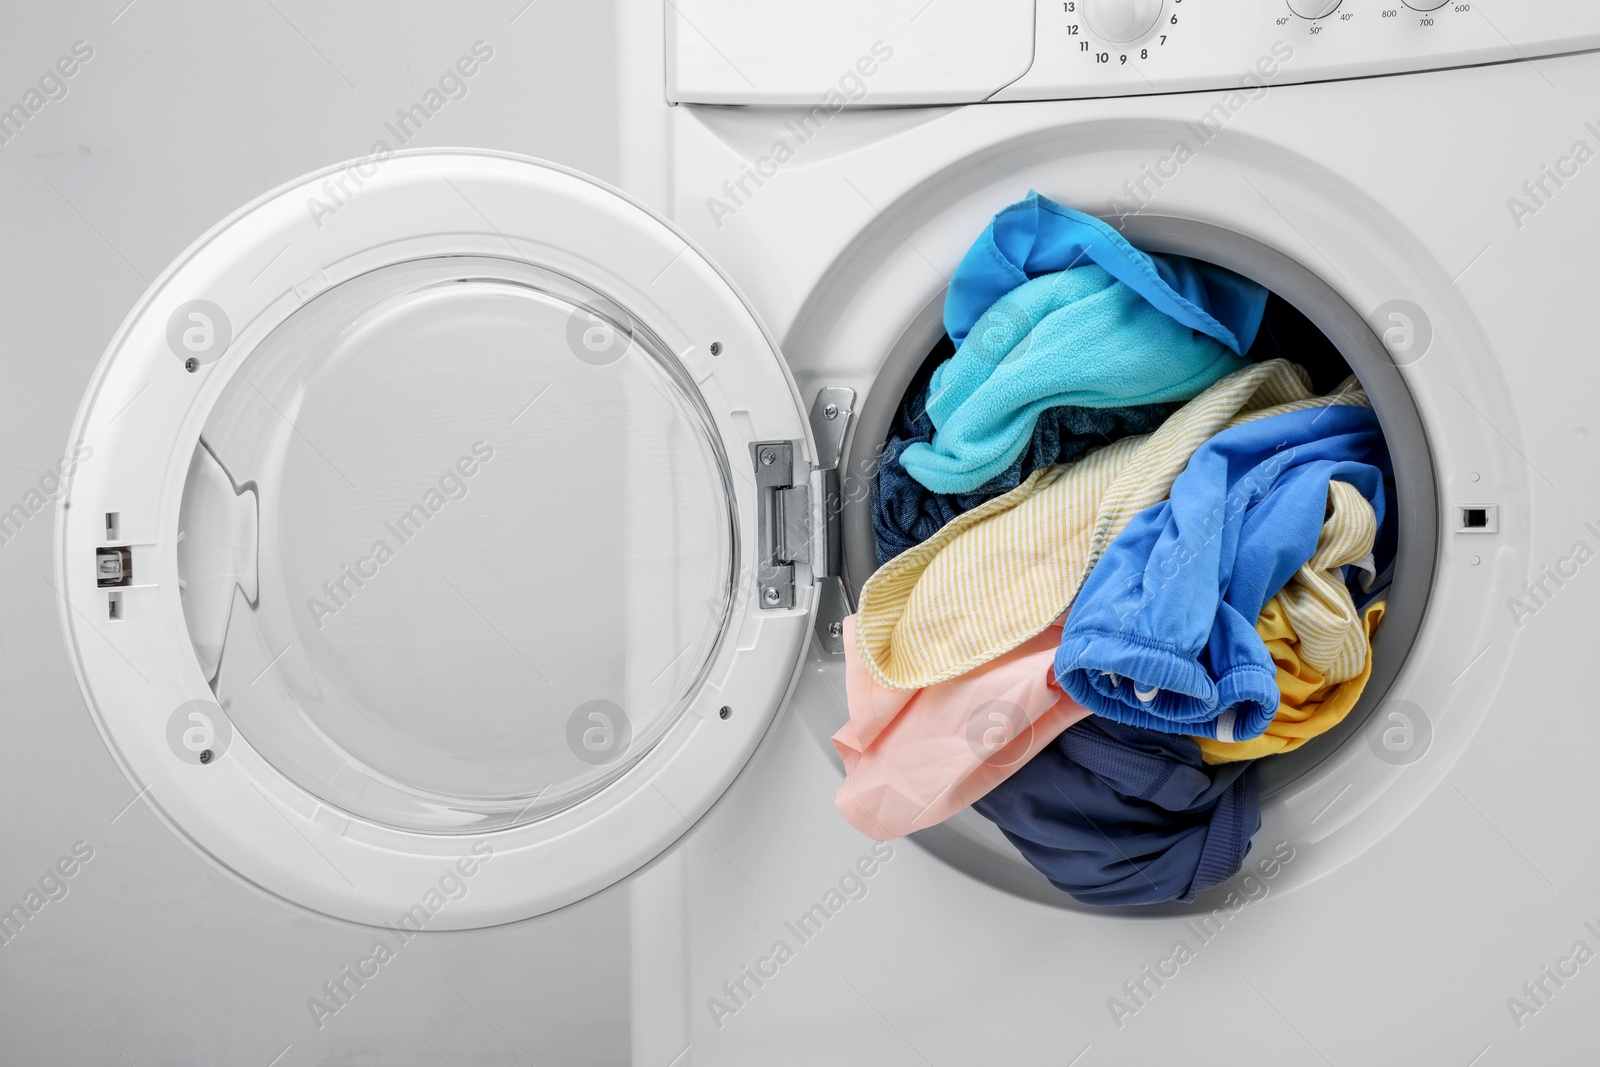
pixel 784 511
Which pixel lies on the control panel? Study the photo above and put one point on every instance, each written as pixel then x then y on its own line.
pixel 847 54
pixel 1129 47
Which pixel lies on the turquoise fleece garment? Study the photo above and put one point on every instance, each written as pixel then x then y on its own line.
pixel 1162 635
pixel 1076 338
pixel 1053 308
pixel 1037 236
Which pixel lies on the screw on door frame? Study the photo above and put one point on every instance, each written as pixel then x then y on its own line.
pixel 768 457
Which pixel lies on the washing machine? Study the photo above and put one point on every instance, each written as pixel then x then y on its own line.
pixel 1408 177
pixel 447 556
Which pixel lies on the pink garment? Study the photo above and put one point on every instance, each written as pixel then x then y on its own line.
pixel 915 757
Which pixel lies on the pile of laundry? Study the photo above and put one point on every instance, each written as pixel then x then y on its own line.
pixel 1125 551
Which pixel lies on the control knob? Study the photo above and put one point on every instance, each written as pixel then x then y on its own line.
pixel 1315 9
pixel 1121 21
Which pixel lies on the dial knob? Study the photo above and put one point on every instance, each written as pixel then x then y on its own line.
pixel 1315 9
pixel 1425 5
pixel 1121 21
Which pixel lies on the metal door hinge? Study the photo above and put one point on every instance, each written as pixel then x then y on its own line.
pixel 830 419
pixel 800 518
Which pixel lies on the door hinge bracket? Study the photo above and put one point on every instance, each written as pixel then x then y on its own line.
pixel 830 421
pixel 799 518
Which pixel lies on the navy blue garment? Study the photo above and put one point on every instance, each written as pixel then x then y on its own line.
pixel 1287 334
pixel 1037 236
pixel 905 513
pixel 1162 634
pixel 1113 814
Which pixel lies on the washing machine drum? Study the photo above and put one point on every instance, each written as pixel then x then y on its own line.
pixel 419 538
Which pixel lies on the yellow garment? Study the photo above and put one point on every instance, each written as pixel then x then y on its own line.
pixel 999 574
pixel 1316 603
pixel 1308 704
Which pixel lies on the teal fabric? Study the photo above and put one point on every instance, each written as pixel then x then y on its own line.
pixel 1078 338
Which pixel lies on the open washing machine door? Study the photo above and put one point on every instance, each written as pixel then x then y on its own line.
pixel 446 533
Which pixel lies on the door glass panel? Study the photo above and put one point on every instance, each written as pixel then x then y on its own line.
pixel 493 547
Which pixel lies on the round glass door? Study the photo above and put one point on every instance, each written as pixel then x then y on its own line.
pixel 457 544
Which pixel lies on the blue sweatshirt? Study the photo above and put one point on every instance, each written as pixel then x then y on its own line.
pixel 1162 634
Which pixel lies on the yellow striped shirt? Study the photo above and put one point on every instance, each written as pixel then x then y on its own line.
pixel 1316 602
